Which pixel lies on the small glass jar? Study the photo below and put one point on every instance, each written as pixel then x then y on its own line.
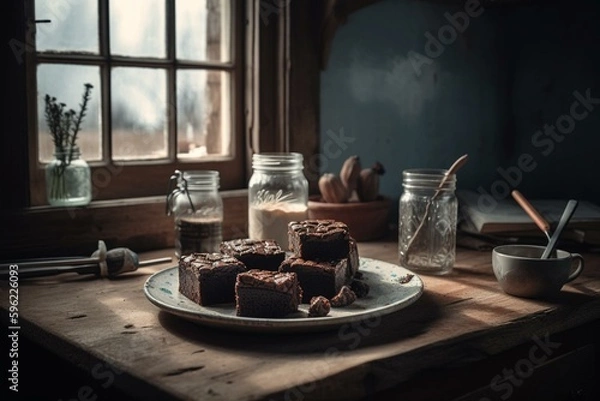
pixel 427 221
pixel 68 179
pixel 277 195
pixel 197 209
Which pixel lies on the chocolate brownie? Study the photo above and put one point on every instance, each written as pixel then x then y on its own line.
pixel 316 278
pixel 319 239
pixel 264 293
pixel 255 254
pixel 209 278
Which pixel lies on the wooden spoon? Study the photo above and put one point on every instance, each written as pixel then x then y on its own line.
pixel 532 212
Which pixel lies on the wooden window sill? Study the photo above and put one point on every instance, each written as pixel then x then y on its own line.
pixel 137 223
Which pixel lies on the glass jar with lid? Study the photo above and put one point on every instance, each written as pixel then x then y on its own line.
pixel 197 209
pixel 427 221
pixel 277 195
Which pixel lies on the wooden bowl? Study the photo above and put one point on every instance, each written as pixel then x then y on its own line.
pixel 366 220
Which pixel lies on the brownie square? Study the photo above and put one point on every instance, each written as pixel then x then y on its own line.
pixel 255 254
pixel 264 293
pixel 209 278
pixel 319 239
pixel 316 278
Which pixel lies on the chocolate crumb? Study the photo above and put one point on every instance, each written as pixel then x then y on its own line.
pixel 343 298
pixel 405 279
pixel 319 306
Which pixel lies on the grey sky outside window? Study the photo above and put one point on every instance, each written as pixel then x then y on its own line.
pixel 74 26
pixel 59 80
pixel 201 97
pixel 139 126
pixel 203 42
pixel 138 91
pixel 137 28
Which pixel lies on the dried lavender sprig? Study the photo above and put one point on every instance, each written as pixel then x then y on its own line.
pixel 52 113
pixel 65 125
pixel 83 108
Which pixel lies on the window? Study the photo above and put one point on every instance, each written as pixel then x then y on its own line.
pixel 279 95
pixel 167 90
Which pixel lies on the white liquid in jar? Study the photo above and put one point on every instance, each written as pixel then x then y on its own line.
pixel 270 221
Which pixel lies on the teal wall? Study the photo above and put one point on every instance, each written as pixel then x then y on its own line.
pixel 514 69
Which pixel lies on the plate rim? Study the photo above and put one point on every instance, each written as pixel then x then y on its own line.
pixel 242 323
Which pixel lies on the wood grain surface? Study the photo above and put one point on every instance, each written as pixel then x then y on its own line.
pixel 460 318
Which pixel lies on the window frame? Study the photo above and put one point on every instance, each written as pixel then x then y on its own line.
pixel 125 179
pixel 281 75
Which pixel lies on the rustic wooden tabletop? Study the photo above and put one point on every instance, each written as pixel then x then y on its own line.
pixel 156 355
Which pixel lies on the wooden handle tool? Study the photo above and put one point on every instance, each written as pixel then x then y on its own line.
pixel 103 263
pixel 532 212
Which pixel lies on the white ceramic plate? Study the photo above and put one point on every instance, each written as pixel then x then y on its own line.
pixel 388 293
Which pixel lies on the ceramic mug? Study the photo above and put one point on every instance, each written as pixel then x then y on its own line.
pixel 520 271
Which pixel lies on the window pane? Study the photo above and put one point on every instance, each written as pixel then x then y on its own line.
pixel 74 25
pixel 203 113
pixel 137 28
pixel 203 30
pixel 66 84
pixel 139 124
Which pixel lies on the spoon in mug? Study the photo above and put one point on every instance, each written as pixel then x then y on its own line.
pixel 564 220
pixel 543 224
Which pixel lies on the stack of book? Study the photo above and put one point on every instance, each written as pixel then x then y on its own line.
pixel 485 221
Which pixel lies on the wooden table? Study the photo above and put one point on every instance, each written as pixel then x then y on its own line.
pixel 463 324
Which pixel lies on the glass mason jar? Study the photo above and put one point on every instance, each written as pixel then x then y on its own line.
pixel 68 179
pixel 197 209
pixel 427 221
pixel 277 195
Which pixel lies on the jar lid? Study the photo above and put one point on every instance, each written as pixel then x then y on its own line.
pixel 179 182
pixel 202 178
pixel 277 161
pixel 427 179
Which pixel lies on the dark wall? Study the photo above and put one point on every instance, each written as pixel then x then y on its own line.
pixel 411 101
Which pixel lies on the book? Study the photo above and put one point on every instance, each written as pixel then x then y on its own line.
pixel 569 234
pixel 506 216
